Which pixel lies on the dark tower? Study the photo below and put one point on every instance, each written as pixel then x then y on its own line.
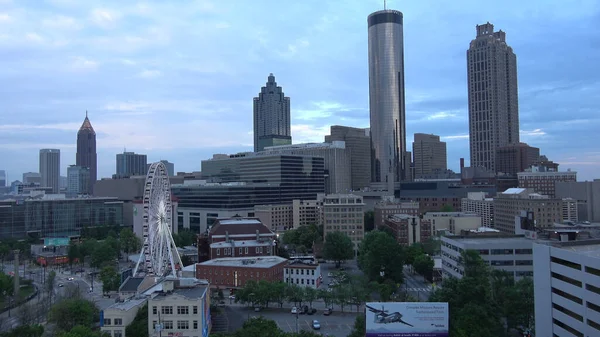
pixel 86 150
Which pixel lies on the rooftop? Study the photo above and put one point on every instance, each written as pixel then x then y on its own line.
pixel 240 221
pixel 248 243
pixel 514 191
pixel 589 248
pixel 131 284
pixel 256 262
pixel 128 305
pixel 482 240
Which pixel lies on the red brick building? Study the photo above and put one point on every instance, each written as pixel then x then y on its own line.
pixel 408 229
pixel 240 237
pixel 234 272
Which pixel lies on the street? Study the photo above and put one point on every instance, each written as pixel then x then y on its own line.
pixel 416 286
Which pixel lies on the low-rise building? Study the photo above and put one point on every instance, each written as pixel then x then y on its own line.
pixel 118 316
pixel 511 253
pixel 511 202
pixel 453 222
pixel 275 217
pixel 303 271
pixel 409 229
pixel 240 237
pixel 234 272
pixel 478 203
pixel 386 208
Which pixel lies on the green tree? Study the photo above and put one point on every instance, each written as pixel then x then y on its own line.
pixel 259 327
pixel 84 331
pixel 129 242
pixel 35 330
pixel 139 326
pixel 50 283
pixel 104 253
pixel 423 265
pixel 369 221
pixel 360 327
pixel 186 260
pixel 520 304
pixel 71 312
pixel 338 247
pixel 310 295
pixel 379 252
pixel 412 252
pixel 86 248
pixel 304 236
pixel 447 208
pixel 73 253
pixel 184 238
pixel 110 279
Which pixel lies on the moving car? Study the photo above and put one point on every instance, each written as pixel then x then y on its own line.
pixel 61 285
pixel 316 325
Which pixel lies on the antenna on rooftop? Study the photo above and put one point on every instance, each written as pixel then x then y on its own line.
pixel 384 4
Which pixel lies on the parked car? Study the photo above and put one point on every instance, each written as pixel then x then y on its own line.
pixel 316 325
pixel 257 309
pixel 294 310
pixel 327 312
pixel 61 285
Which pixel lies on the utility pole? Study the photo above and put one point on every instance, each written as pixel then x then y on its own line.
pixel 16 278
pixel 297 328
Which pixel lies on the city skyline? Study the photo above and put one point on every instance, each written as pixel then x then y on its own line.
pixel 147 88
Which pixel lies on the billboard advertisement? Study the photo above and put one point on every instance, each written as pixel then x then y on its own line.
pixel 407 319
pixel 56 241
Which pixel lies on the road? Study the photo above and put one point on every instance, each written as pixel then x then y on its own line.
pixel 416 286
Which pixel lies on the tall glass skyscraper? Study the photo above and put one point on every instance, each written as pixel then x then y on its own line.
pixel 386 98
pixel 271 117
pixel 86 151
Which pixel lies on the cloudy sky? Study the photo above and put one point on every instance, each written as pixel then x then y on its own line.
pixel 175 79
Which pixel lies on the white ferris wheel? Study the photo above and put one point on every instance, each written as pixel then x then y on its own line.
pixel 159 255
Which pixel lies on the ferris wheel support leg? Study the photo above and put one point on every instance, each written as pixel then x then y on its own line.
pixel 142 256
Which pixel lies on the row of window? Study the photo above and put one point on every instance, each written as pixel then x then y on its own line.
pixel 181 325
pixel 117 321
pixel 301 281
pixel 299 271
pixel 229 250
pixel 181 310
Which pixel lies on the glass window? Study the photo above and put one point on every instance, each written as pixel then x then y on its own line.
pixel 183 310
pixel 183 325
pixel 195 310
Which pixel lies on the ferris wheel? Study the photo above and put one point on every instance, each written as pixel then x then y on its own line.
pixel 159 255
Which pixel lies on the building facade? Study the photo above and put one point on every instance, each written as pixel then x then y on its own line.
pixel 78 180
pixel 358 144
pixel 429 155
pixel 453 222
pixel 32 178
pixel 544 182
pixel 386 98
pixel 235 272
pixel 511 253
pixel 587 194
pixel 118 316
pixel 387 208
pixel 510 203
pixel 409 229
pixel 307 212
pixel 271 117
pixel 478 203
pixel 131 164
pixel 276 217
pixel 493 96
pixel 86 155
pixel 567 288
pixel 336 161
pixel 344 213
pixel 240 237
pixel 50 169
pixel 303 272
pixel 514 158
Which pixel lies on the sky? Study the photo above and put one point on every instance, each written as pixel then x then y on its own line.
pixel 175 79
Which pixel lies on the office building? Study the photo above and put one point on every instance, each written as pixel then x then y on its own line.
pixel 56 216
pixel 344 213
pixel 567 287
pixel 303 271
pixel 386 208
pixel 32 178
pixel 514 158
pixel 453 222
pixel 336 160
pixel 131 164
pixel 86 151
pixel 358 143
pixel 493 96
pixel 181 308
pixel 429 155
pixel 587 194
pixel 271 117
pixel 2 178
pixel 78 180
pixel 118 316
pixel 235 272
pixel 276 217
pixel 478 203
pixel 50 169
pixel 409 229
pixel 170 167
pixel 543 181
pixel 386 98
pixel 307 212
pixel 570 210
pixel 240 237
pixel 511 253
pixel 511 202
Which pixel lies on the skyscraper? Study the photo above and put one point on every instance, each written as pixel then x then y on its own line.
pixel 78 180
pixel 271 117
pixel 50 169
pixel 386 98
pixel 493 97
pixel 131 164
pixel 86 151
pixel 429 154
pixel 358 142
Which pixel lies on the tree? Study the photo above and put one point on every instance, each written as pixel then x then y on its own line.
pixel 129 242
pixel 26 314
pixel 447 208
pixel 184 238
pixel 84 331
pixel 423 265
pixel 310 295
pixel 110 279
pixel 73 253
pixel 338 247
pixel 304 236
pixel 412 252
pixel 104 253
pixel 259 327
pixel 25 331
pixel 369 221
pixel 360 327
pixel 50 280
pixel 139 326
pixel 71 312
pixel 186 260
pixel 86 248
pixel 379 252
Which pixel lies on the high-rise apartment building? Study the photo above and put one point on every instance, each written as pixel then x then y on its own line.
pixel 78 180
pixel 429 154
pixel 386 98
pixel 86 151
pixel 131 164
pixel 478 203
pixel 271 117
pixel 50 169
pixel 493 96
pixel 514 158
pixel 358 143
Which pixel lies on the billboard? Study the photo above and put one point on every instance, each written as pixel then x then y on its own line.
pixel 56 241
pixel 407 319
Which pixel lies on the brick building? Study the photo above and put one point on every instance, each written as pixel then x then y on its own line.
pixel 543 181
pixel 408 229
pixel 515 158
pixel 234 272
pixel 386 208
pixel 239 237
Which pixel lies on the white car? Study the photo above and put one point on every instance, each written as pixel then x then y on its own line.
pixel 294 310
pixel 71 278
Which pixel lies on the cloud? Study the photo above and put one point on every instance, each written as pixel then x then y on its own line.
pixel 5 17
pixel 34 37
pixel 83 64
pixel 149 73
pixel 536 132
pixel 455 137
pixel 104 18
pixel 61 22
pixel 441 115
pixel 305 133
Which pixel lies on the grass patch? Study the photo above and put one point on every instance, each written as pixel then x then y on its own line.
pixel 24 292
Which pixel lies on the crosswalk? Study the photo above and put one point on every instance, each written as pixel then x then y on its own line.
pixel 419 289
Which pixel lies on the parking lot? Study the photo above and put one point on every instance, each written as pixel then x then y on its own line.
pixel 337 324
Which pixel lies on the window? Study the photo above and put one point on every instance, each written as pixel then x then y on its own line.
pixel 241 251
pixel 167 325
pixel 118 321
pixel 166 310
pixel 183 310
pixel 195 325
pixel 183 325
pixel 195 310
pixel 566 279
pixel 218 251
pixel 502 251
pixel 567 312
pixel 256 250
pixel 154 310
pixel 107 321
pixel 246 251
pixel 524 262
pixel 118 333
pixel 524 251
pixel 569 296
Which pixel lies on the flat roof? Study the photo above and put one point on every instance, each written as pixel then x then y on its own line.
pixel 252 262
pixel 589 247
pixel 514 190
pixel 245 243
pixel 481 240
pixel 128 305
pixel 239 221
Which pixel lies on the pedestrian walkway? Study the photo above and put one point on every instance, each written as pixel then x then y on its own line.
pixel 418 289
